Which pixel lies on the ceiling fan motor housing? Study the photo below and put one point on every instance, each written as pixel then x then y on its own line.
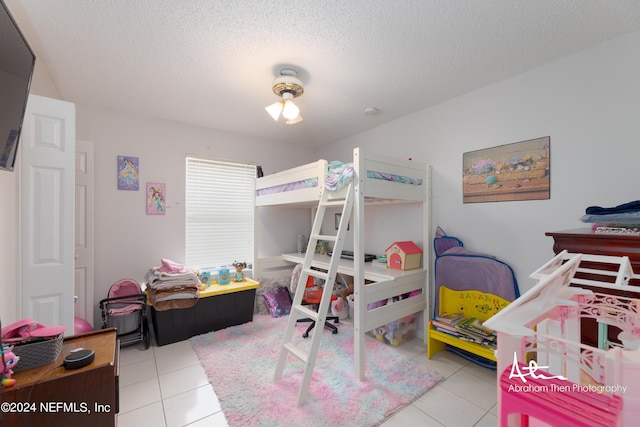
pixel 288 82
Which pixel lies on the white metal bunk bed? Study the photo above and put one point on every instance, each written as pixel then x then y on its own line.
pixel 410 182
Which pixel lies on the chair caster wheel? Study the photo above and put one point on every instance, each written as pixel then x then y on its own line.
pixel 305 335
pixel 336 321
pixel 335 332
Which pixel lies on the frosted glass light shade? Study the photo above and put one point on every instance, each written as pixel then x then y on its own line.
pixel 290 110
pixel 295 120
pixel 275 109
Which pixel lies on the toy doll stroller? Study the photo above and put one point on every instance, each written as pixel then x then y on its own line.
pixel 125 309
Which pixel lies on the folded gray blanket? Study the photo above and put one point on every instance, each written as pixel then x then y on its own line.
pixel 156 278
pixel 616 218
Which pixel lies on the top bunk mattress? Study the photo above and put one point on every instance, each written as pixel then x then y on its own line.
pixel 291 186
pixel 338 175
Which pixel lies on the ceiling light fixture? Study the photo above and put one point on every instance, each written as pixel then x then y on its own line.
pixel 288 86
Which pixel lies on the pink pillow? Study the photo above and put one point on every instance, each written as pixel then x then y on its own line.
pixel 169 266
pixel 278 301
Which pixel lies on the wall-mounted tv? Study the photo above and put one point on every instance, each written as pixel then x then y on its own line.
pixel 16 68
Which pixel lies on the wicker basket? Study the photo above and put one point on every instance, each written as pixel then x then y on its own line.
pixel 37 354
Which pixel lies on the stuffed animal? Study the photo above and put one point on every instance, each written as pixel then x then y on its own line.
pixel 340 308
pixel 349 291
pixel 10 360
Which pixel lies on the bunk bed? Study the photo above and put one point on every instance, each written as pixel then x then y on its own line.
pixel 377 179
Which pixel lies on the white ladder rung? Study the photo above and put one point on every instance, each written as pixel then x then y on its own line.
pixel 332 203
pixel 303 309
pixel 329 238
pixel 315 273
pixel 297 352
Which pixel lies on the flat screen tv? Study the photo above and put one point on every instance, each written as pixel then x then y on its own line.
pixel 16 68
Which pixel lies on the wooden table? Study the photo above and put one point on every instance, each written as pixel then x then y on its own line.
pixel 52 396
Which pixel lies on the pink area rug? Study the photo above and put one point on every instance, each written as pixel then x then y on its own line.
pixel 240 363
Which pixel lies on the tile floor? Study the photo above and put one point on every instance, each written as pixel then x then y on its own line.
pixel 167 386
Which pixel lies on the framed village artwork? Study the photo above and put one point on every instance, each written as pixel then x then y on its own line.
pixel 517 171
pixel 156 198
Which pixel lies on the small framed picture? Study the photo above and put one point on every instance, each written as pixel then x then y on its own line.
pixel 337 221
pixel 128 173
pixel 156 198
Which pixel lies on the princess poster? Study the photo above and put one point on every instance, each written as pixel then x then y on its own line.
pixel 156 198
pixel 128 173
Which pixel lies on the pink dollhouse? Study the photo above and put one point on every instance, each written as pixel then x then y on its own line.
pixel 547 372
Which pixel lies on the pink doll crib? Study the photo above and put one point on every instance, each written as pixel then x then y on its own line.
pixel 125 309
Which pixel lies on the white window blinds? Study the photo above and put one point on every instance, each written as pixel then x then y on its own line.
pixel 219 212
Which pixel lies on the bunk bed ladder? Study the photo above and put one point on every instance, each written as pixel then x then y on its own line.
pixel 309 359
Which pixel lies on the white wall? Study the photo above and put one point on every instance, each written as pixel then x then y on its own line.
pixel 589 104
pixel 127 241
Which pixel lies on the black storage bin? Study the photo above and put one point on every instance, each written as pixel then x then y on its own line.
pixel 210 313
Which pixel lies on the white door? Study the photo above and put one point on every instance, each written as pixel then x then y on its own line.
pixel 46 212
pixel 83 276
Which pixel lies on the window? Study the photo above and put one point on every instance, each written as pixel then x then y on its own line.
pixel 219 212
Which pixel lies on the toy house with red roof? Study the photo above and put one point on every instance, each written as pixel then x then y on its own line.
pixel 404 255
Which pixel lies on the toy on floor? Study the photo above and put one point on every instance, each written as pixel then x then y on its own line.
pixel 238 276
pixel 340 308
pixel 349 291
pixel 9 361
pixel 399 331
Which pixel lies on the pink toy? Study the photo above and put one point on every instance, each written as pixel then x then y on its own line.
pixel 546 371
pixel 25 329
pixel 169 266
pixel 340 308
pixel 10 360
pixel 571 407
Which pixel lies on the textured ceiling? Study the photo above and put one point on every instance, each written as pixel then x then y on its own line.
pixel 211 62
